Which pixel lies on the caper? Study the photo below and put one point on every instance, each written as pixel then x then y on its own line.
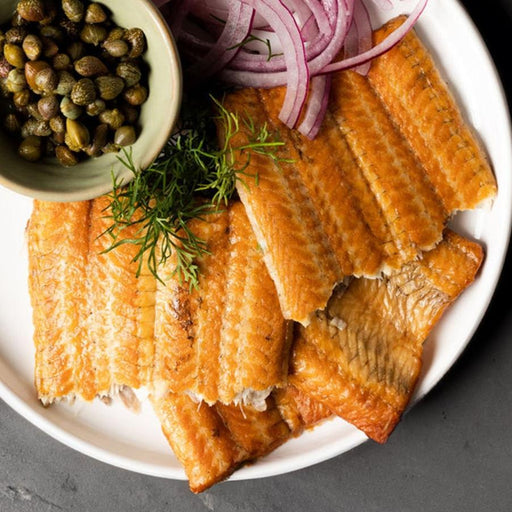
pixel 83 92
pixel 131 114
pixel 93 34
pixel 21 98
pixel 95 13
pixel 136 95
pixel 129 72
pixel 31 10
pixel 66 83
pixel 42 129
pixel 58 124
pixel 117 48
pixel 31 148
pixel 137 41
pixel 48 107
pixel 109 87
pixel 28 128
pixel 14 55
pixel 73 9
pixel 90 66
pixel 52 32
pixel 115 34
pixel 16 80
pixel 31 70
pixel 113 118
pixel 98 141
pixel 50 47
pixel 32 46
pixel 76 50
pixel 15 35
pixel 61 62
pixel 5 67
pixel 18 21
pixel 125 136
pixel 58 137
pixel 69 110
pixel 65 156
pixel 47 80
pixel 110 147
pixel 96 108
pixel 77 135
pixel 12 123
pixel 33 112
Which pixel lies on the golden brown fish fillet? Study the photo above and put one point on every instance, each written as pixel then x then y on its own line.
pixel 120 326
pixel 226 340
pixel 286 224
pixel 362 357
pixel 58 247
pixel 212 441
pixel 199 439
pixel 420 103
pixel 299 410
pixel 93 318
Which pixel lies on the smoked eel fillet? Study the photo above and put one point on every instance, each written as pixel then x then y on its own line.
pixel 122 307
pixel 225 340
pixel 58 244
pixel 289 231
pixel 93 318
pixel 419 102
pixel 212 441
pixel 361 357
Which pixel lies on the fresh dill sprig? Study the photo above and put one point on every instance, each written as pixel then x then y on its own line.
pixel 190 179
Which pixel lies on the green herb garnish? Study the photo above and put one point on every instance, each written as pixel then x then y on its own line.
pixel 190 179
pixel 250 38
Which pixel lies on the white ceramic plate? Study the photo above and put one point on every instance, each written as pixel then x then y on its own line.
pixel 118 437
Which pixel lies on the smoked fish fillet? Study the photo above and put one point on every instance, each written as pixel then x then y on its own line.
pixel 419 102
pixel 392 162
pixel 58 248
pixel 361 357
pixel 93 318
pixel 212 441
pixel 225 340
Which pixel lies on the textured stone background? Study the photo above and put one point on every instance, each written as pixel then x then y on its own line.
pixel 452 451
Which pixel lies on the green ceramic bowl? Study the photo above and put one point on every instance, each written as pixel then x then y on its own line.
pixel 93 177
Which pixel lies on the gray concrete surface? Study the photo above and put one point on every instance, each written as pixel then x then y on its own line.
pixel 452 451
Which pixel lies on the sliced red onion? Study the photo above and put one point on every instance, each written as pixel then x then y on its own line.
pixel 236 29
pixel 281 20
pixel 360 37
pixel 316 107
pixel 394 38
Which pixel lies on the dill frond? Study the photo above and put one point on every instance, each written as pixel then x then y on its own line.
pixel 190 179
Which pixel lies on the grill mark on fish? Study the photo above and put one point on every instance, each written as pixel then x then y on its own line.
pixel 420 103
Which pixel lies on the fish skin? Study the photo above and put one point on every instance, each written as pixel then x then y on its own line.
pixel 362 357
pixel 408 201
pixel 256 432
pixel 296 249
pixel 121 323
pixel 199 439
pixel 420 103
pixel 228 335
pixel 57 248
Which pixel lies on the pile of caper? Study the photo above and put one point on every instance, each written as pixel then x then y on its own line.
pixel 72 79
